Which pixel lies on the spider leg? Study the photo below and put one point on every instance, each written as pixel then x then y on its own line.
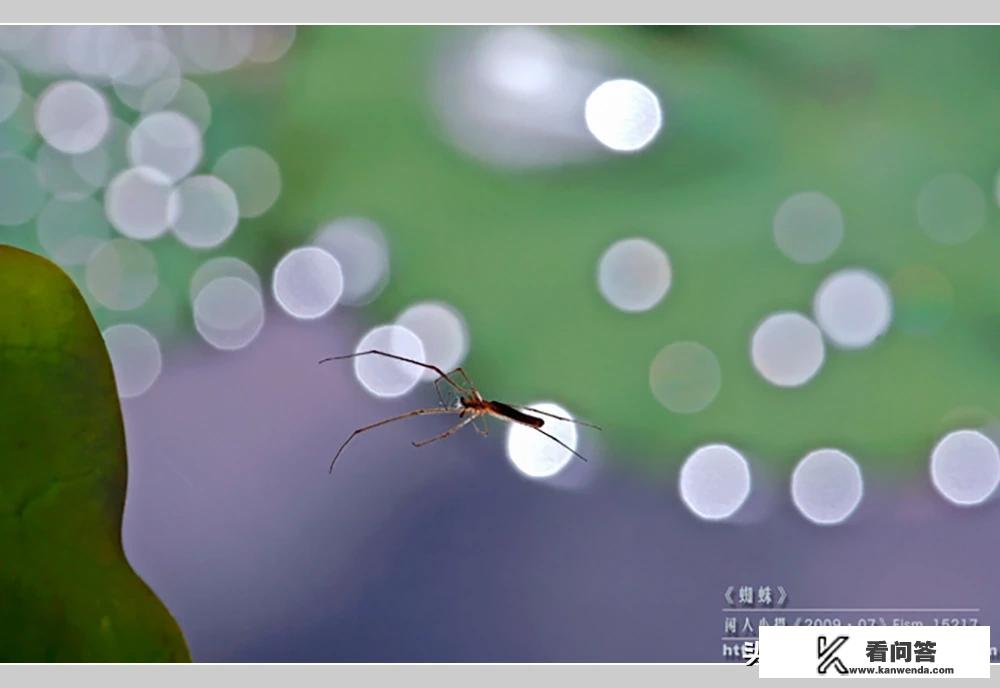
pixel 552 415
pixel 465 376
pixel 428 366
pixel 444 404
pixel 418 412
pixel 484 428
pixel 447 433
pixel 560 442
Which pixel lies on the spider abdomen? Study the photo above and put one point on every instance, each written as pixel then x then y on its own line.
pixel 511 413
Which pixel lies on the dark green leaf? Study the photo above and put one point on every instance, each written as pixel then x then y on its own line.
pixel 67 592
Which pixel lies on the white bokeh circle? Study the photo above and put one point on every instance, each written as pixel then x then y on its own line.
pixel 965 467
pixel 853 308
pixel 308 282
pixel 623 115
pixel 383 376
pixel 634 274
pixel 787 349
pixel 715 481
pixel 827 486
pixel 535 455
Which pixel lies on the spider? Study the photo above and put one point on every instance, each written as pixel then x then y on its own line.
pixel 469 405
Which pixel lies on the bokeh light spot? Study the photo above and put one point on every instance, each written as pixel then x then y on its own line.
pixel 137 203
pixel 185 97
pixel 360 247
pixel 168 142
pixel 135 357
pixel 214 48
pixel 787 349
pixel 965 467
pixel 623 114
pixel 253 175
pixel 520 60
pixel 204 211
pixel 72 117
pixel 685 377
pixel 223 266
pixel 951 208
pixel 143 66
pixel 443 332
pixel 715 481
pixel 808 227
pixel 535 455
pixel 228 312
pixel 386 377
pixel 853 308
pixel 270 43
pixel 634 274
pixel 514 96
pixel 827 486
pixel 121 274
pixel 308 282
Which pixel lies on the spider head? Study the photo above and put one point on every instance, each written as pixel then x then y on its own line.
pixel 470 402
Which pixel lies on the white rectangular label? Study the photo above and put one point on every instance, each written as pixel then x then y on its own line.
pixel 874 651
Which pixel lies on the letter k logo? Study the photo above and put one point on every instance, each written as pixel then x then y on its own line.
pixel 827 653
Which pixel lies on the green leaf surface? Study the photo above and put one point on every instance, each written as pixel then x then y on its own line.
pixel 67 592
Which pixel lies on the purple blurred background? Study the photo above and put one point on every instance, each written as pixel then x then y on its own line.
pixel 447 554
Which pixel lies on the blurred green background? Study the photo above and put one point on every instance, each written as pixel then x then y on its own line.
pixel 866 115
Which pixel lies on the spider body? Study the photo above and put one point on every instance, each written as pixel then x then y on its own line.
pixel 469 406
pixel 502 410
